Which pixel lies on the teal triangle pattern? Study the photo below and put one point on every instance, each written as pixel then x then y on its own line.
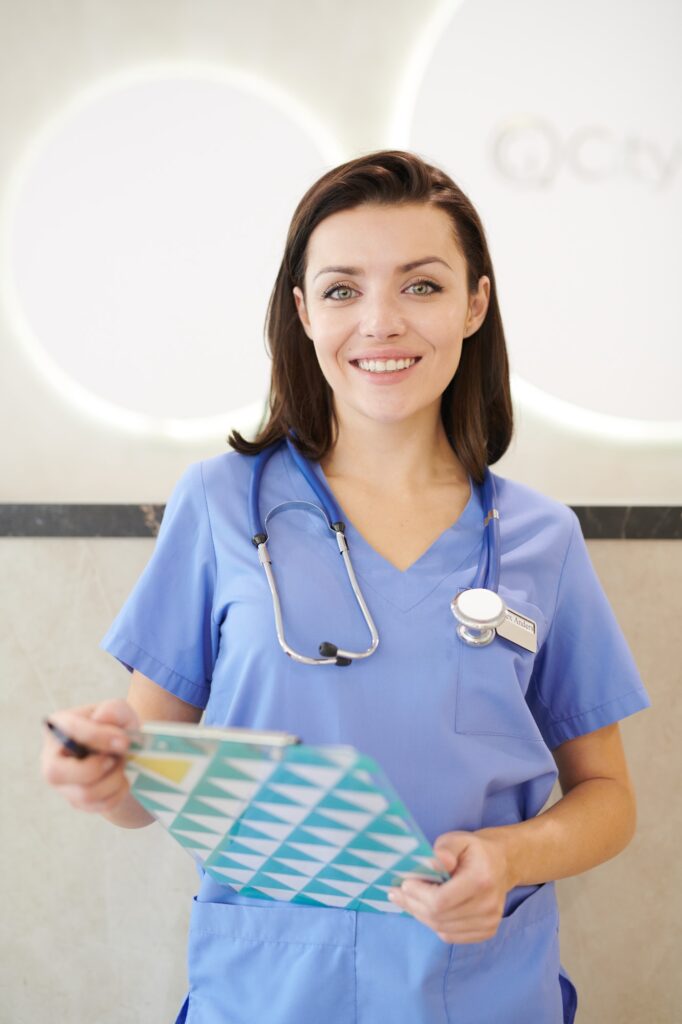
pixel 310 755
pixel 147 783
pixel 343 838
pixel 316 820
pixel 254 813
pixel 221 769
pixel 266 794
pixel 196 806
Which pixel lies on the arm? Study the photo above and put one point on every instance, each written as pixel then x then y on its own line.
pixel 593 821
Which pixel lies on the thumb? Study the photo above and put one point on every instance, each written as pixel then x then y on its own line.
pixel 445 858
pixel 449 847
pixel 116 712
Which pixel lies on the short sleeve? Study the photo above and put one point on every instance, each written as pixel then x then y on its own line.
pixel 584 676
pixel 166 628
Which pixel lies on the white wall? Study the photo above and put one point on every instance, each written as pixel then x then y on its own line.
pixel 129 334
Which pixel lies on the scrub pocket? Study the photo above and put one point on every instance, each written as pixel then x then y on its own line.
pixel 492 682
pixel 516 976
pixel 278 962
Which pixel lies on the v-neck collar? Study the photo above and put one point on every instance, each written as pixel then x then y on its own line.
pixel 457 546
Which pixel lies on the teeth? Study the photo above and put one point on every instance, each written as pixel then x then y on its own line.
pixel 385 365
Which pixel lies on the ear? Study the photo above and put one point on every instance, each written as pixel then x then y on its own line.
pixel 302 311
pixel 478 307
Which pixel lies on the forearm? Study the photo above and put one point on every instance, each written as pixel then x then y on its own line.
pixel 129 814
pixel 593 822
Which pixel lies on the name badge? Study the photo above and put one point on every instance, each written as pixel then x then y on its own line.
pixel 519 630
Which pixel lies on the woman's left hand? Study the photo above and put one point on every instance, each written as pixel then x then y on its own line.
pixel 469 906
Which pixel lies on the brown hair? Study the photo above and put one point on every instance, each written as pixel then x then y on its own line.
pixel 476 405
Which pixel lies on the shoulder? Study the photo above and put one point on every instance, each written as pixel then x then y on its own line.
pixel 209 498
pixel 207 481
pixel 539 537
pixel 524 507
pixel 536 530
pixel 225 469
pixel 218 473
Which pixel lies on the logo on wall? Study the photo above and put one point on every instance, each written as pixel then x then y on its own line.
pixel 531 152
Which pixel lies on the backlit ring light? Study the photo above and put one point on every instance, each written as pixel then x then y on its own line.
pixel 194 429
pixel 566 415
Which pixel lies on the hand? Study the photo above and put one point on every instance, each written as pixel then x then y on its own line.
pixel 469 906
pixel 96 783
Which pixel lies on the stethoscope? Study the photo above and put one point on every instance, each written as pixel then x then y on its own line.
pixel 479 609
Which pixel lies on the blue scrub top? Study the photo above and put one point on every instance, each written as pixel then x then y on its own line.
pixel 464 734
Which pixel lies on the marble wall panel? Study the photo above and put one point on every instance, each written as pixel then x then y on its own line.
pixel 94 919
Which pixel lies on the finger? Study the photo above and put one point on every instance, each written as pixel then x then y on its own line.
pixel 116 712
pixel 480 925
pixel 439 904
pixel 436 897
pixel 414 906
pixel 444 860
pixel 461 938
pixel 61 771
pixel 106 793
pixel 99 737
pixel 482 909
pixel 85 802
pixel 476 926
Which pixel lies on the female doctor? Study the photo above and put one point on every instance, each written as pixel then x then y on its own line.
pixel 389 399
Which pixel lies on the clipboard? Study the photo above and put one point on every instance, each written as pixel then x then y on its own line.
pixel 276 819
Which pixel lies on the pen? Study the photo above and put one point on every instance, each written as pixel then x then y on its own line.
pixel 73 746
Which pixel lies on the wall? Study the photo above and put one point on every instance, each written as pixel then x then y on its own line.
pixel 89 415
pixel 95 917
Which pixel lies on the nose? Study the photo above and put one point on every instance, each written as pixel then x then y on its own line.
pixel 381 318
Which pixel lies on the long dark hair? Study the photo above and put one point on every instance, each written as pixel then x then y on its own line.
pixel 476 405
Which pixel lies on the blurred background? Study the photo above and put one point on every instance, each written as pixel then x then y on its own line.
pixel 151 156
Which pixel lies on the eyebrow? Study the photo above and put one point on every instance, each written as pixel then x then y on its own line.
pixel 403 269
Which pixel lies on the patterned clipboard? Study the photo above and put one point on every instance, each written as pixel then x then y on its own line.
pixel 279 820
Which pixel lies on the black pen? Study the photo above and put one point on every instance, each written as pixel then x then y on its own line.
pixel 73 746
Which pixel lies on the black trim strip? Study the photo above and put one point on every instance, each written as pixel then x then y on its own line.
pixel 606 522
pixel 80 520
pixel 630 522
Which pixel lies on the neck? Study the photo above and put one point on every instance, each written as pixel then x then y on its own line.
pixel 402 457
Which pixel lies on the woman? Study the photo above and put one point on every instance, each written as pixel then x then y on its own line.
pixel 390 370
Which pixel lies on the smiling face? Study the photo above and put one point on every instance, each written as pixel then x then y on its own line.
pixel 387 308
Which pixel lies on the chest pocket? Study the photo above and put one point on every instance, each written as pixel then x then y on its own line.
pixel 492 681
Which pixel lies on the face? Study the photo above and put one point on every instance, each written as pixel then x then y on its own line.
pixel 388 333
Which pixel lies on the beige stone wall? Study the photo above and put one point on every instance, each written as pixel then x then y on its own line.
pixel 621 936
pixel 94 917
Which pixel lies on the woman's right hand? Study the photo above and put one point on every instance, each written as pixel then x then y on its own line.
pixel 96 783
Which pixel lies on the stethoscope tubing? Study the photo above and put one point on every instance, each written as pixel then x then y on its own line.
pixel 487 574
pixel 332 655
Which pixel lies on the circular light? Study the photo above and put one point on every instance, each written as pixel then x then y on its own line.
pixel 575 174
pixel 143 234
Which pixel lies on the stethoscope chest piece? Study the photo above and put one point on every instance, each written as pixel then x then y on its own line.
pixel 479 612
